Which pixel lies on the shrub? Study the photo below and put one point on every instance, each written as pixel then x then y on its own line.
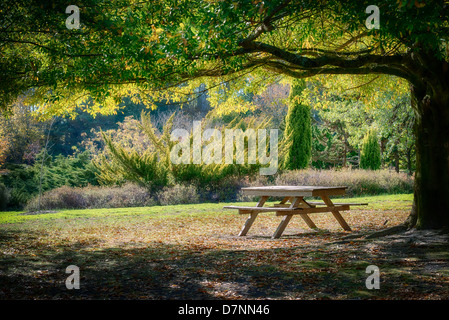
pixel 359 182
pixel 153 167
pixel 4 197
pixel 178 194
pixel 128 195
pixel 90 197
pixel 22 184
pixel 60 198
pixel 23 180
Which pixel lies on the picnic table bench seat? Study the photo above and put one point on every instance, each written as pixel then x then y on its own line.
pixel 286 210
pixel 338 203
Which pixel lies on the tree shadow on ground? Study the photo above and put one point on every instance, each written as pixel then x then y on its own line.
pixel 165 271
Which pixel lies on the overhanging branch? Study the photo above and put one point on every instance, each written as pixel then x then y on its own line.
pixel 280 67
pixel 330 58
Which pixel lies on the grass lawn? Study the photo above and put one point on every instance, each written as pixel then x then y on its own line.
pixel 193 252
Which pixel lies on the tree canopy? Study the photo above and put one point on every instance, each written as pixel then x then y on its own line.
pixel 162 50
pixel 149 49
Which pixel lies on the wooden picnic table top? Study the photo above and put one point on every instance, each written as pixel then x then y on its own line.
pixel 294 191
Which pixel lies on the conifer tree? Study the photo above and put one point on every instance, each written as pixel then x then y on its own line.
pixel 370 153
pixel 298 130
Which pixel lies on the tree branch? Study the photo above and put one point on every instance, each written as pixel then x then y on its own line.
pixel 278 66
pixel 324 60
pixel 266 24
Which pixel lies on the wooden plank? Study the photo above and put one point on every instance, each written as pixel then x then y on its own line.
pixel 283 212
pixel 308 221
pixel 280 229
pixel 262 201
pixel 292 191
pixel 300 204
pixel 260 209
pixel 306 204
pixel 338 203
pixel 249 222
pixel 331 192
pixel 278 193
pixel 281 205
pixel 295 201
pixel 341 220
pixel 304 216
pixel 336 213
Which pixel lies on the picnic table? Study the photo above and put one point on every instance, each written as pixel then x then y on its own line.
pixel 293 203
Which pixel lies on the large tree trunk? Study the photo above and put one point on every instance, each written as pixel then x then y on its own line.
pixel 431 194
pixel 396 157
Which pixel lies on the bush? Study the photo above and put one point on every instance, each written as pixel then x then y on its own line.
pixel 61 198
pixel 153 167
pixel 22 184
pixel 4 197
pixel 92 197
pixel 128 195
pixel 178 194
pixel 23 180
pixel 359 182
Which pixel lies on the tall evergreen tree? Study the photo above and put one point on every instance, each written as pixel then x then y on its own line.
pixel 298 130
pixel 370 153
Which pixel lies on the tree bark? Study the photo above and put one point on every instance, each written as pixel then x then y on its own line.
pixel 409 161
pixel 431 195
pixel 396 157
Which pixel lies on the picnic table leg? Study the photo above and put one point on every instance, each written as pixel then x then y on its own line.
pixel 277 234
pixel 284 200
pixel 280 229
pixel 252 217
pixel 306 218
pixel 248 223
pixel 336 213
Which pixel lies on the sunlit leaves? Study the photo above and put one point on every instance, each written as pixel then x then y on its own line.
pixel 370 91
pixel 160 45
